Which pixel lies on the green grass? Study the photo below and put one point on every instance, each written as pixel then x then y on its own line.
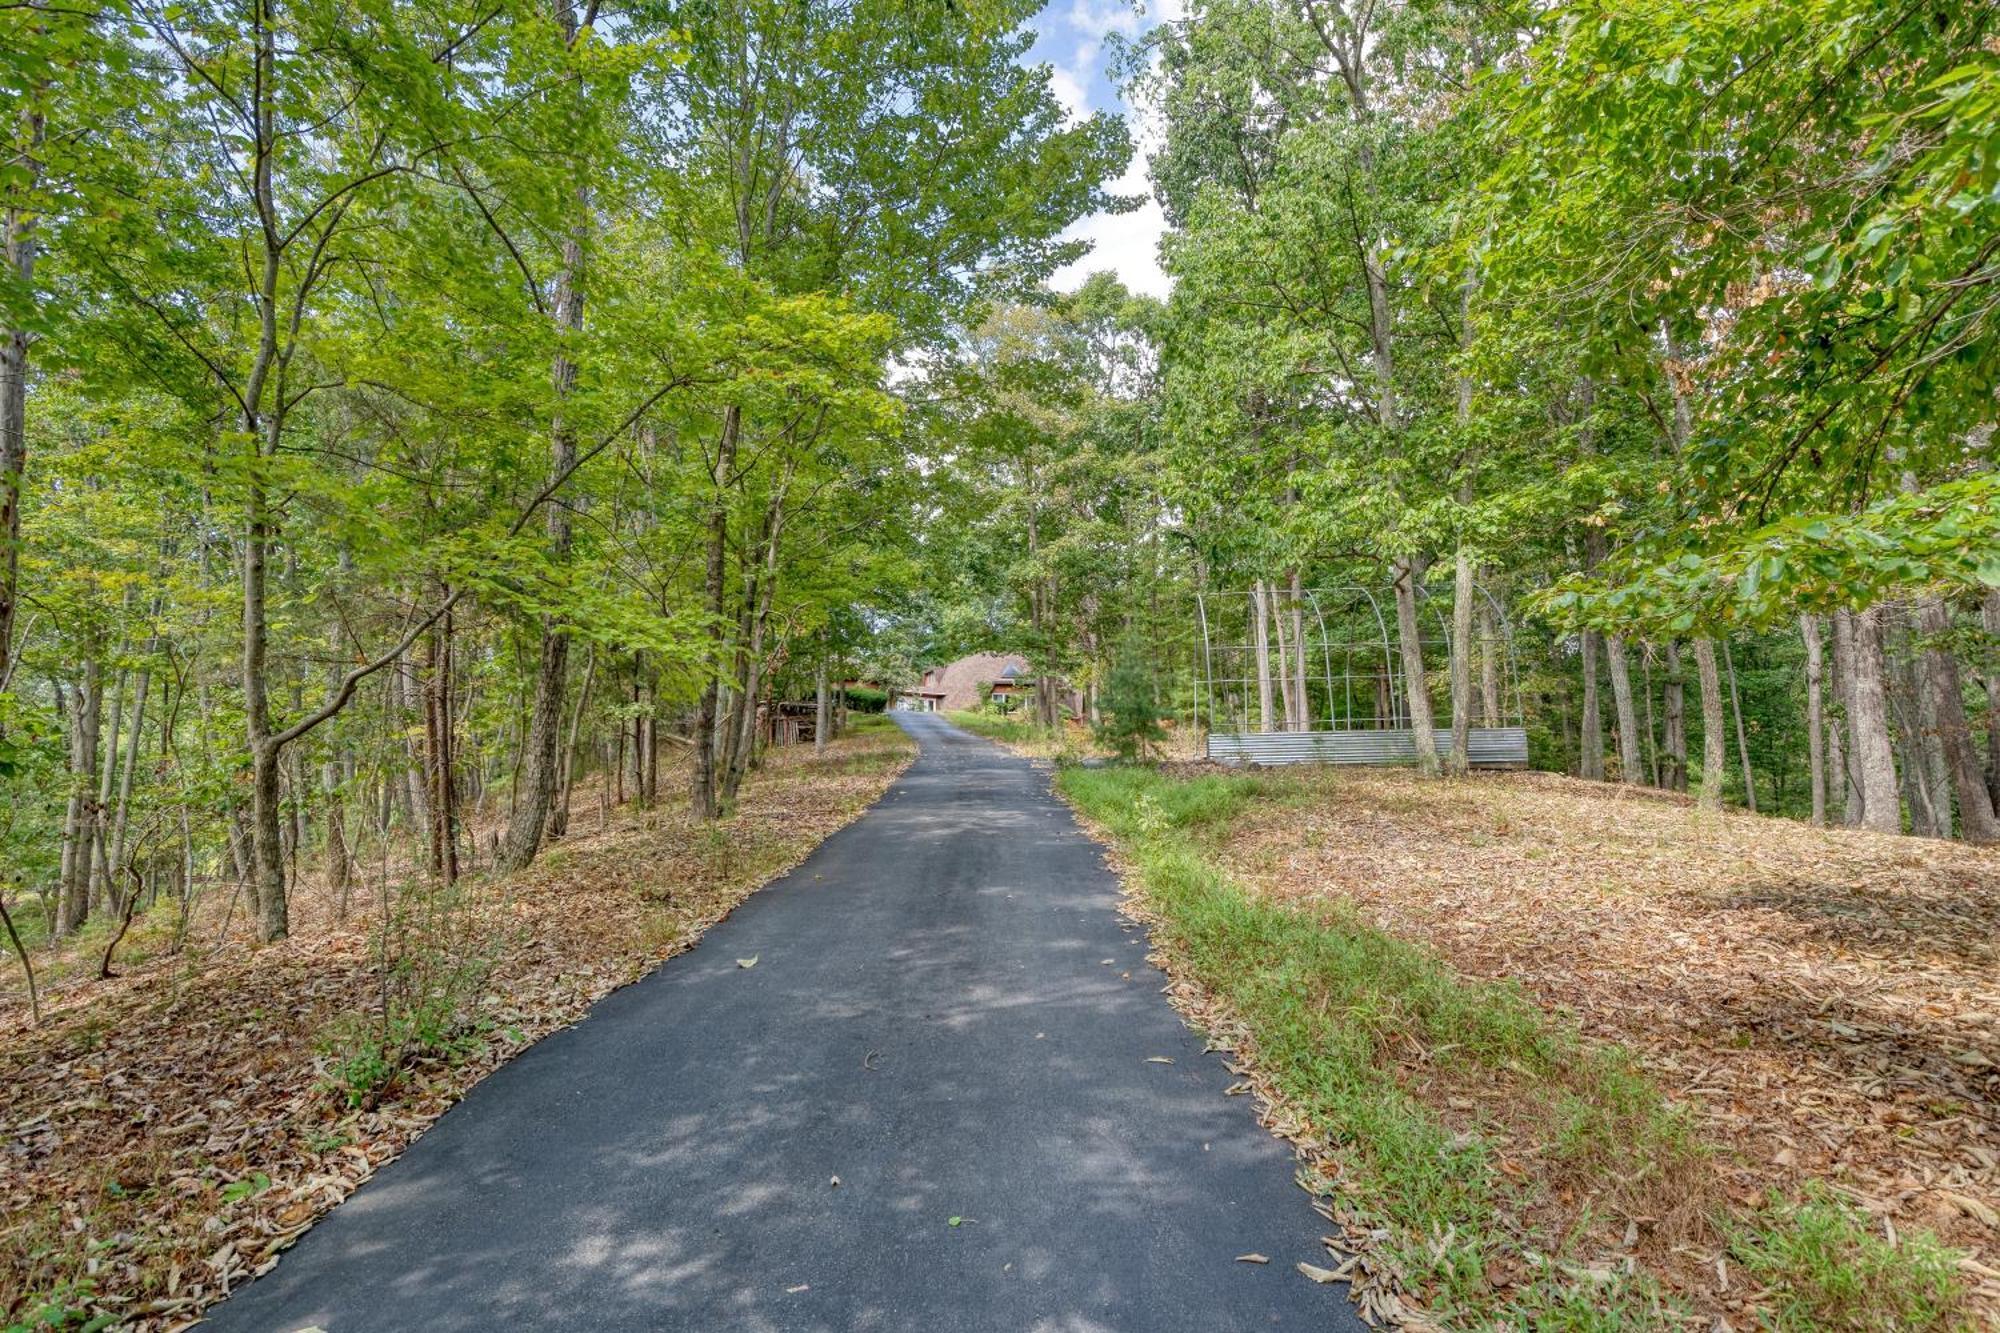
pixel 999 727
pixel 1830 1268
pixel 1367 1034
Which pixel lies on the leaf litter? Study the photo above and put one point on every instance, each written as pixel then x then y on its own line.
pixel 168 1133
pixel 1827 1001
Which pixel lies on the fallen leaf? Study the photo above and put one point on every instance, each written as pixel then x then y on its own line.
pixel 1318 1274
pixel 1972 1208
pixel 751 961
pixel 953 1221
pixel 1253 1258
pixel 793 1291
pixel 1159 1060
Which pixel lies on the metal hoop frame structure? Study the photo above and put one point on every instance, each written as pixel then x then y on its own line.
pixel 1335 691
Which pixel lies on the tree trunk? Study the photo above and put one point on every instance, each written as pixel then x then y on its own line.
pixel 1463 592
pixel 121 818
pixel 821 720
pixel 545 732
pixel 1868 723
pixel 1742 737
pixel 79 824
pixel 1652 731
pixel 1303 720
pixel 1489 666
pixel 1815 715
pixel 1631 764
pixel 745 751
pixel 411 791
pixel 438 729
pixel 100 870
pixel 1941 679
pixel 717 587
pixel 1288 706
pixel 1261 637
pixel 1989 619
pixel 1713 724
pixel 1416 686
pixel 1911 732
pixel 339 858
pixel 558 825
pixel 17 239
pixel 1590 741
pixel 1674 775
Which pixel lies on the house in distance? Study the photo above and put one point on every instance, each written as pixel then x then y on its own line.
pixel 967 683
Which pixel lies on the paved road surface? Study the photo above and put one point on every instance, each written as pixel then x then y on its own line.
pixel 929 1020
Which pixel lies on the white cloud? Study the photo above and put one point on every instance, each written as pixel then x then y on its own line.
pixel 1126 243
pixel 1069 92
pixel 1101 18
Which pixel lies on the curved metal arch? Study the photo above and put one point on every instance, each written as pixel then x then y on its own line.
pixel 1325 655
pixel 1207 663
pixel 1389 658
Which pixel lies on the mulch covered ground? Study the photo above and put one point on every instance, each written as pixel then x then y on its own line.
pixel 1828 1001
pixel 165 1134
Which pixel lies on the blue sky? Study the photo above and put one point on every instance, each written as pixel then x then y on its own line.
pixel 1072 39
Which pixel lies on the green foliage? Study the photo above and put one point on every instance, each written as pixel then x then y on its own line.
pixel 1130 706
pixel 436 956
pixel 865 699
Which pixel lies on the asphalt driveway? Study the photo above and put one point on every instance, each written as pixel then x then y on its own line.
pixel 947 1014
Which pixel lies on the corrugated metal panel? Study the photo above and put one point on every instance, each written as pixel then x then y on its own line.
pixel 1485 747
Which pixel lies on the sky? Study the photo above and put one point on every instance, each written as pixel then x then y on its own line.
pixel 1072 40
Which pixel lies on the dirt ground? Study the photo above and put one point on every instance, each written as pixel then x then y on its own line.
pixel 166 1133
pixel 1828 1001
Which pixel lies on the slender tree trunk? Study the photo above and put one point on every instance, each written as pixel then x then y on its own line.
pixel 558 825
pixel 745 750
pixel 1490 648
pixel 439 727
pixel 1713 724
pixel 1742 737
pixel 1989 619
pixel 1652 729
pixel 1288 707
pixel 1848 763
pixel 717 586
pixel 1261 637
pixel 79 824
pixel 1416 686
pixel 1941 680
pixel 339 857
pixel 1675 777
pixel 821 720
pixel 121 818
pixel 1463 591
pixel 545 722
pixel 1815 715
pixel 1872 754
pixel 1590 741
pixel 100 873
pixel 1302 721
pixel 1910 734
pixel 1631 766
pixel 411 788
pixel 18 240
